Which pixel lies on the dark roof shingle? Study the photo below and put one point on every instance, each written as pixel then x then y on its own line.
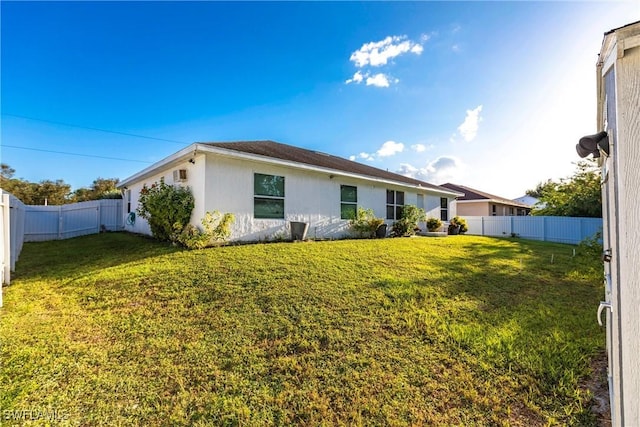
pixel 315 158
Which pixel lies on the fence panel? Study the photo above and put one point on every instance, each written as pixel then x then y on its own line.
pixel 5 242
pixel 41 223
pixel 111 214
pixel 17 228
pixel 78 219
pixel 548 228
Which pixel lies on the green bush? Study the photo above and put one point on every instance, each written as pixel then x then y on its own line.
pixel 216 228
pixel 166 208
pixel 456 220
pixel 407 225
pixel 365 223
pixel 433 224
pixel 591 247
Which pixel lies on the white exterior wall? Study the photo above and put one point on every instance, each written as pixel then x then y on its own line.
pixel 311 197
pixel 619 115
pixel 195 181
pixel 225 184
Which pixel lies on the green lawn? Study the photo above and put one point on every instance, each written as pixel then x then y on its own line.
pixel 115 329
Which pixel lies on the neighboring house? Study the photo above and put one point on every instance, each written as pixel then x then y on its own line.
pixel 618 148
pixel 266 185
pixel 527 200
pixel 478 203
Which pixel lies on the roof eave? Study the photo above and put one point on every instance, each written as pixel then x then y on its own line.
pixel 195 148
pixel 502 202
pixel 299 165
pixel 169 161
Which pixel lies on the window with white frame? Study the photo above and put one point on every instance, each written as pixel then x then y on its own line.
pixel 395 203
pixel 268 196
pixel 348 201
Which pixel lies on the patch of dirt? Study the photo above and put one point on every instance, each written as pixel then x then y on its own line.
pixel 597 384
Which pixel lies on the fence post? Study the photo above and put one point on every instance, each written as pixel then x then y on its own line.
pixel 511 226
pixel 544 228
pixel 6 243
pixel 99 216
pixel 482 225
pixel 60 225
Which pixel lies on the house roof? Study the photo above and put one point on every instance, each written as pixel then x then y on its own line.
pixel 290 153
pixel 277 153
pixel 620 28
pixel 471 194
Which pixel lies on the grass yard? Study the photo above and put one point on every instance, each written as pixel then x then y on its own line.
pixel 115 329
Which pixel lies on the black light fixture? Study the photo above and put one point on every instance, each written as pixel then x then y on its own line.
pixel 192 161
pixel 592 144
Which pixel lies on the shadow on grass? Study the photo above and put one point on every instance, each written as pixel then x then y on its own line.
pixel 83 255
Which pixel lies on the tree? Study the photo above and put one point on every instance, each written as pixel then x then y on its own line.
pixel 6 171
pixel 54 192
pixel 540 188
pixel 578 195
pixel 102 188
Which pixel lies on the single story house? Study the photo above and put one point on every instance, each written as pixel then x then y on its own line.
pixel 529 201
pixel 266 185
pixel 478 203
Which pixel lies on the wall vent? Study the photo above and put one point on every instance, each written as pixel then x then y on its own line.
pixel 179 175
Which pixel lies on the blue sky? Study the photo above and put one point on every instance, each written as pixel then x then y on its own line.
pixel 492 95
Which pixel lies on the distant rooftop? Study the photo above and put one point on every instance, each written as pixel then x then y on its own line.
pixel 473 194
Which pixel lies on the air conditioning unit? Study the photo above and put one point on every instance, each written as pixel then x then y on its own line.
pixel 179 175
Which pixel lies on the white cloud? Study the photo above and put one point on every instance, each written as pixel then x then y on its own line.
pixel 379 80
pixel 357 78
pixel 379 53
pixel 421 148
pixel 469 128
pixel 439 171
pixel 425 37
pixel 390 148
pixel 455 48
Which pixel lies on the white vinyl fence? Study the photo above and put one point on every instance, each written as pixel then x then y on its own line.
pixel 548 228
pixel 5 242
pixel 21 223
pixel 65 221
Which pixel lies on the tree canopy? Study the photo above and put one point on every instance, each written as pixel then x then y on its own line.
pixel 55 192
pixel 577 196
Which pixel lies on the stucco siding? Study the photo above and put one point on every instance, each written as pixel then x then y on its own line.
pixel 195 181
pixel 226 184
pixel 473 209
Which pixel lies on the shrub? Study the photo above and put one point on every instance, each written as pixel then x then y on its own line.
pixel 461 222
pixel 166 208
pixel 365 223
pixel 408 222
pixel 433 224
pixel 216 228
pixel 591 247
